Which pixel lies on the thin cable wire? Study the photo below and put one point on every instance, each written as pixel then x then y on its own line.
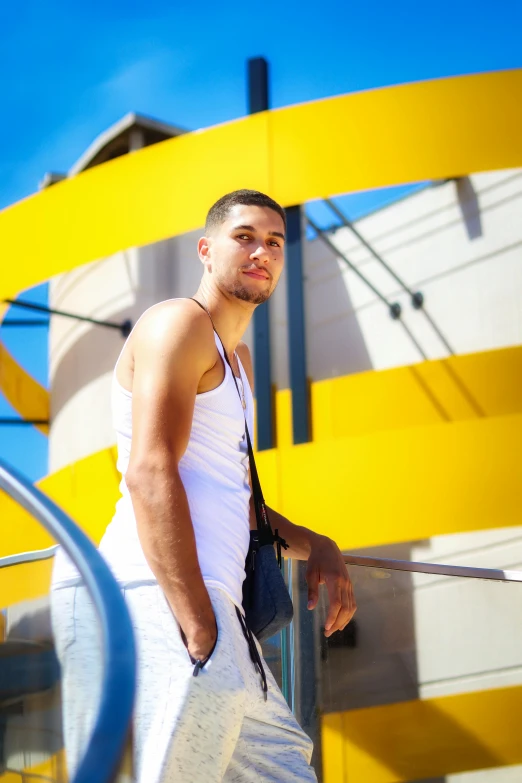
pixel 320 233
pixel 417 298
pixel 348 223
pixel 393 308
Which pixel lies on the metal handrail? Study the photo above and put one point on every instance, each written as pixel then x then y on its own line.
pixel 28 557
pixel 438 569
pixel 107 742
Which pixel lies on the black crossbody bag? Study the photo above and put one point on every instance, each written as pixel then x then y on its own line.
pixel 266 601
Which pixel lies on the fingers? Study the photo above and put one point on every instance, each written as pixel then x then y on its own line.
pixel 349 606
pixel 342 605
pixel 335 604
pixel 312 580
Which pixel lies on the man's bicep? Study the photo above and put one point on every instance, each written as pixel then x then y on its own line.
pixel 168 365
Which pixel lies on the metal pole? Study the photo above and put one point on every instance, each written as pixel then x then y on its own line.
pixel 296 327
pixel 25 322
pixel 103 749
pixel 258 100
pixel 11 420
pixel 125 327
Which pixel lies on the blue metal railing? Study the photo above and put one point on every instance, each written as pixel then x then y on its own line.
pixel 107 742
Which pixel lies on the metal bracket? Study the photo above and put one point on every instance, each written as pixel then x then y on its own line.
pixel 124 328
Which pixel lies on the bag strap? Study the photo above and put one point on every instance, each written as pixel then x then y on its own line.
pixel 266 535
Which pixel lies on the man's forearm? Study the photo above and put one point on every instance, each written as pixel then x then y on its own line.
pixel 298 538
pixel 167 538
pixel 325 567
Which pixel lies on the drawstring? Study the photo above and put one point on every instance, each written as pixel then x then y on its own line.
pixel 254 654
pixel 280 542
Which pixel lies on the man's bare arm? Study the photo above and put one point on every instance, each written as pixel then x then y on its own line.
pixel 171 353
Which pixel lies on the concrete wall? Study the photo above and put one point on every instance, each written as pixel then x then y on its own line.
pixel 460 243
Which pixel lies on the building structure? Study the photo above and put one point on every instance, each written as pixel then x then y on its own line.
pixel 459 243
pixel 411 455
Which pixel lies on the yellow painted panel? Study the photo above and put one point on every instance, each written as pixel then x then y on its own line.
pixel 407 133
pixel 448 397
pixel 51 770
pixel 370 402
pixel 268 465
pixel 461 387
pixel 284 418
pixel 87 490
pixel 25 394
pixel 435 129
pixel 20 532
pixel 24 582
pixel 492 379
pixel 403 485
pixel 416 740
pixel 332 750
pixel 161 191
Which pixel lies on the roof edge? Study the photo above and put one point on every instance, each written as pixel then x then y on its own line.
pixel 128 121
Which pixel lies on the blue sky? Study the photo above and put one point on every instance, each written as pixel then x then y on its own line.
pixel 69 70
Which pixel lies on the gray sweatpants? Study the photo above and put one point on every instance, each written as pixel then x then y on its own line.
pixel 213 727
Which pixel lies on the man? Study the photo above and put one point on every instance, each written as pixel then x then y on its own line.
pixel 178 541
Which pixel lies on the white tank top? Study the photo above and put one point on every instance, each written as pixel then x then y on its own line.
pixel 214 472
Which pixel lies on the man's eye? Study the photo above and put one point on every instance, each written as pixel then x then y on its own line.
pixel 243 236
pixel 273 242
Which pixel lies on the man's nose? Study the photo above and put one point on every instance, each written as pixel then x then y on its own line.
pixel 261 254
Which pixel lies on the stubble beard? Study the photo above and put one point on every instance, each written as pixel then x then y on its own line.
pixel 253 297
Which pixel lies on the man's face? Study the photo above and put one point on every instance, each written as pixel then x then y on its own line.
pixel 245 254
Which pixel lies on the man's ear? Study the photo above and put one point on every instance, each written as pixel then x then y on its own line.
pixel 204 250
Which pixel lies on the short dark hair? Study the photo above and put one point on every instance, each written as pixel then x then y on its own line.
pixel 219 211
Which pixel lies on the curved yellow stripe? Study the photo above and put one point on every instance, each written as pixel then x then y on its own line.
pixel 23 392
pixel 29 398
pixel 24 582
pixel 417 740
pixel 412 132
pixel 52 769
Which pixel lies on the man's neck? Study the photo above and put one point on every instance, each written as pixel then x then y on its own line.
pixel 230 315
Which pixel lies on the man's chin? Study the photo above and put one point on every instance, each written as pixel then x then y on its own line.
pixel 253 297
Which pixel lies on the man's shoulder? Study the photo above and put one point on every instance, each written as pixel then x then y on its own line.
pixel 182 313
pixel 172 322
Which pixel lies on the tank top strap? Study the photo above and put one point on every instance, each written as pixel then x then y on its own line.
pixel 222 354
pixel 220 347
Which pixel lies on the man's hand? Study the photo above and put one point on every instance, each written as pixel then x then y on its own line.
pixel 201 640
pixel 326 567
